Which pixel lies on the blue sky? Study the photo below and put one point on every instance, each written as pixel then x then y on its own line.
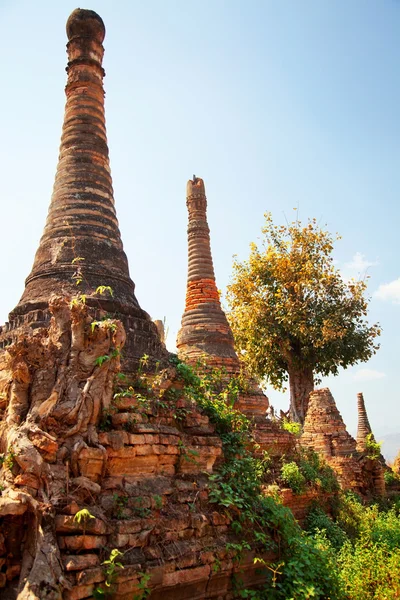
pixel 276 104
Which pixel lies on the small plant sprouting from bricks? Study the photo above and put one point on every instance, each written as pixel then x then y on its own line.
pixel 188 454
pixel 158 502
pixel 107 323
pixel 8 460
pixel 139 508
pixel 80 300
pixel 129 425
pixel 105 423
pixel 143 362
pixel 127 393
pixel 100 360
pixel 111 566
pixel 143 586
pixel 102 290
pixel 78 274
pixel 119 505
pixel 82 517
pixel 180 413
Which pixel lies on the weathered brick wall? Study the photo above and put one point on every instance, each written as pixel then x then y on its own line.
pixel 149 496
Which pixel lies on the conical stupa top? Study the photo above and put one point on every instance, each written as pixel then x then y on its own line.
pixel 364 428
pixel 81 243
pixel 205 331
pixel 324 428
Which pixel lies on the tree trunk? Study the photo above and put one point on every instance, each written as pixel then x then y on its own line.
pixel 301 383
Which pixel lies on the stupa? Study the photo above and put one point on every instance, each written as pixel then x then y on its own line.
pixel 81 252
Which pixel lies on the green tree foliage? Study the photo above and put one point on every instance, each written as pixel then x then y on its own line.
pixel 292 314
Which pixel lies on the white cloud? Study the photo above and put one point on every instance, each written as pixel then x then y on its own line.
pixel 368 375
pixel 389 291
pixel 360 264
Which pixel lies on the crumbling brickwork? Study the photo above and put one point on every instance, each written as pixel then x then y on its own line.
pixel 325 432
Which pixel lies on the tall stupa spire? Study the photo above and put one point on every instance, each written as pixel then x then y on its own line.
pixel 81 242
pixel 364 428
pixel 205 334
pixel 205 331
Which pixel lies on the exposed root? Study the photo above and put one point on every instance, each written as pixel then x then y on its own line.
pixel 54 386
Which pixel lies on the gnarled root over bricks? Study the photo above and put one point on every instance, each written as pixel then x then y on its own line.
pixel 54 384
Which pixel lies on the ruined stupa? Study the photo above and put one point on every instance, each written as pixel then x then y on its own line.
pixel 325 432
pixel 364 428
pixel 81 248
pixel 205 334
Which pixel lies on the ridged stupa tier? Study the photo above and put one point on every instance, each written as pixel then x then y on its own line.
pixel 205 334
pixel 81 242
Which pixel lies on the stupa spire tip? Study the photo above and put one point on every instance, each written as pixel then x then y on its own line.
pixel 83 22
pixel 195 186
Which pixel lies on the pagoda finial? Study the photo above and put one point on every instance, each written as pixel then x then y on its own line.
pixel 81 242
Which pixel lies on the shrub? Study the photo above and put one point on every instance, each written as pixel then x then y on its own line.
pixel 373 448
pixel 316 471
pixel 369 571
pixel 391 478
pixel 318 521
pixel 292 476
pixel 291 427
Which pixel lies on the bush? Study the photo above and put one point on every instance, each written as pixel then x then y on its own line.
pixel 391 478
pixel 369 571
pixel 373 448
pixel 366 546
pixel 292 476
pixel 318 521
pixel 291 427
pixel 316 471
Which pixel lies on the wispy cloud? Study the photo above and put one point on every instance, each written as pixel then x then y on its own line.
pixel 368 375
pixel 389 291
pixel 360 264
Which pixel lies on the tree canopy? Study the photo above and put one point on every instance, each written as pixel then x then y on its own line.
pixel 292 313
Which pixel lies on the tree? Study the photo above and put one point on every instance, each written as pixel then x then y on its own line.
pixel 292 314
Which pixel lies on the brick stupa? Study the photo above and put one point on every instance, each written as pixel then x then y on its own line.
pixel 325 432
pixel 364 428
pixel 81 242
pixel 205 334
